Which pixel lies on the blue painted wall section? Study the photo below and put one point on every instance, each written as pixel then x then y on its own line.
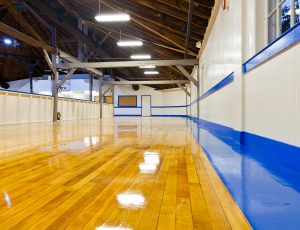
pixel 286 40
pixel 262 175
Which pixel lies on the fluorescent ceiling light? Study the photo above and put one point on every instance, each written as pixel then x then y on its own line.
pixel 148 67
pixel 141 56
pixel 130 43
pixel 151 72
pixel 112 17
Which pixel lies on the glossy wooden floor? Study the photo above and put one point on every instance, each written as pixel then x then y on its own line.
pixel 122 173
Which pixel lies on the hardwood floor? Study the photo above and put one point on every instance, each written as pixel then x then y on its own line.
pixel 121 173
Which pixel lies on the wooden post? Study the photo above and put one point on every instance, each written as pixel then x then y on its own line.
pixel 198 93
pixel 91 87
pixel 100 97
pixel 55 74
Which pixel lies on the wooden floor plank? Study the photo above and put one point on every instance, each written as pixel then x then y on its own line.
pixel 126 173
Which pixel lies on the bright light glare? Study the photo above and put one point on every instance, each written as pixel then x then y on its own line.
pixel 151 161
pixel 131 200
pixel 91 140
pixel 147 168
pixel 141 56
pixel 7 41
pixel 46 93
pixel 106 227
pixel 112 17
pixel 148 67
pixel 129 43
pixel 151 72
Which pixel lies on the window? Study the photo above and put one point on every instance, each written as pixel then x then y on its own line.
pixel 281 15
pixel 127 101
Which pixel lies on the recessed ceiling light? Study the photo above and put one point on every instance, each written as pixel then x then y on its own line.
pixel 129 43
pixel 141 56
pixel 112 17
pixel 151 72
pixel 148 67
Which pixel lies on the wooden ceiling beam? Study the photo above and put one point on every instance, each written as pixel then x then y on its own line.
pixel 152 30
pixel 161 8
pixel 25 38
pixel 20 19
pixel 174 25
pixel 200 11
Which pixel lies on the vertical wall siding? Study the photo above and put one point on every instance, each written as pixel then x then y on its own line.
pixel 272 104
pixel 222 56
pixel 18 108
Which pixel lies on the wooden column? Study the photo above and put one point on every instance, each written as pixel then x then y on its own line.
pixel 101 97
pixel 55 75
pixel 198 93
pixel 91 86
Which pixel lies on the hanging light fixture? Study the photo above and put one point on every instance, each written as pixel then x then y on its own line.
pixel 128 43
pixel 151 72
pixel 119 17
pixel 140 56
pixel 148 67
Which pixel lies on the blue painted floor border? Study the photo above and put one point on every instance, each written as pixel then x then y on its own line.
pixel 262 175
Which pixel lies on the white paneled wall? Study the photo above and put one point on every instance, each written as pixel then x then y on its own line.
pixel 272 93
pixel 264 101
pixel 19 108
pixel 222 56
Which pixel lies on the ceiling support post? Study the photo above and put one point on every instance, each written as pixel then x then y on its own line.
pixel 189 25
pixel 108 89
pixel 91 87
pixel 101 97
pixel 187 75
pixel 198 93
pixel 66 78
pixel 55 75
pixel 184 89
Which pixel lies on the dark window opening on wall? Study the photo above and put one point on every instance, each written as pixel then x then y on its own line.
pixel 281 16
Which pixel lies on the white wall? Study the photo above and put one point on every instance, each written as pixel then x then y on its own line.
pixel 18 108
pixel 264 101
pixel 165 101
pixel 222 56
pixel 272 105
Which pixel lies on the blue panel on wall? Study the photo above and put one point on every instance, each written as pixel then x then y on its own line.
pixel 287 39
pixel 262 175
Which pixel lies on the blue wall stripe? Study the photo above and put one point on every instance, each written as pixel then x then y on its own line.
pixel 127 115
pixel 287 39
pixel 267 183
pixel 171 115
pixel 168 106
pixel 227 80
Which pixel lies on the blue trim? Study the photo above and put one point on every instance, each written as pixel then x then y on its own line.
pixel 226 81
pixel 127 96
pixel 130 107
pixel 169 116
pixel 170 106
pixel 261 174
pixel 127 115
pixel 286 40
